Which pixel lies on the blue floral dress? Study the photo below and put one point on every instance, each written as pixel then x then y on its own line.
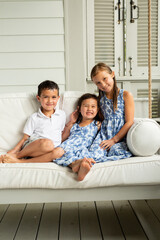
pixel 113 122
pixel 77 144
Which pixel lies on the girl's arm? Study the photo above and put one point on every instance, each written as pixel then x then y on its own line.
pixel 129 116
pixel 129 119
pixel 19 145
pixel 69 125
pixel 66 131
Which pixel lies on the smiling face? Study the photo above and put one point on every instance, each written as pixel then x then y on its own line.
pixel 48 100
pixel 104 81
pixel 89 109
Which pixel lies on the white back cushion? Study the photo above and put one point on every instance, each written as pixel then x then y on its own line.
pixel 68 102
pixel 15 109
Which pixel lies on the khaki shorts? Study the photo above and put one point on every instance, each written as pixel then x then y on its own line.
pixel 30 140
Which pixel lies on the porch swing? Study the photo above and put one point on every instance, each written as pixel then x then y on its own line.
pixel 149 61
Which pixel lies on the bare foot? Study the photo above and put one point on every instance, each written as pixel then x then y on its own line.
pixel 1 158
pixel 10 159
pixel 85 167
pixel 76 165
pixel 12 154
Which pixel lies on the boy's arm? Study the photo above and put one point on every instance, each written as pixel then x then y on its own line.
pixel 19 145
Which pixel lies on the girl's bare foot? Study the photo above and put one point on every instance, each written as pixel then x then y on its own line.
pixel 76 165
pixel 85 167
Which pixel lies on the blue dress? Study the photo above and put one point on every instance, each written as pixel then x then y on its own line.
pixel 77 144
pixel 113 122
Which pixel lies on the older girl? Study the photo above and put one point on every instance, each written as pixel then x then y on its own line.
pixel 117 107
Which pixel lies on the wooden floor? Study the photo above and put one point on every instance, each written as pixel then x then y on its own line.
pixel 87 220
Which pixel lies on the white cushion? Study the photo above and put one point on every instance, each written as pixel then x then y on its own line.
pixel 143 137
pixel 130 171
pixel 15 109
pixel 68 102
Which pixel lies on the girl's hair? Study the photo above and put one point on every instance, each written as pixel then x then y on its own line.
pixel 103 67
pixel 99 116
pixel 47 85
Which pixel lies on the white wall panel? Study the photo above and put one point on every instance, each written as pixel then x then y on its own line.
pixel 24 88
pixel 31 9
pixel 31 26
pixel 30 76
pixel 31 44
pixel 31 60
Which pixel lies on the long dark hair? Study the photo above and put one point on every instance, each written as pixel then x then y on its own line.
pixel 103 67
pixel 99 117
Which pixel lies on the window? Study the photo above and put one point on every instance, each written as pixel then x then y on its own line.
pixel 123 44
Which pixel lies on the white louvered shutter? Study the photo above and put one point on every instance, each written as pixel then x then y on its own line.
pixel 137 40
pixel 105 40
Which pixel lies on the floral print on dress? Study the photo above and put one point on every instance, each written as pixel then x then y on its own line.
pixel 77 144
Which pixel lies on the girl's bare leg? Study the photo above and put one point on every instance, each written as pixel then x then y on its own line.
pixel 48 157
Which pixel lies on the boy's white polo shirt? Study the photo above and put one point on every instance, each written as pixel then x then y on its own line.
pixel 39 125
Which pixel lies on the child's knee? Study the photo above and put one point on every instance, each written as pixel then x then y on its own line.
pixel 46 145
pixel 58 152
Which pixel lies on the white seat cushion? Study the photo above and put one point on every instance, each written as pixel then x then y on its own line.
pixel 131 171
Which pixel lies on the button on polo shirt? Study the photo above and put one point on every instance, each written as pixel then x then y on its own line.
pixel 40 126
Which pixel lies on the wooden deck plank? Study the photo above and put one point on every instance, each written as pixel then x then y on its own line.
pixel 85 220
pixel 11 220
pixel 148 220
pixel 108 220
pixel 49 225
pixel 128 221
pixel 89 225
pixel 155 206
pixel 30 222
pixel 3 209
pixel 69 224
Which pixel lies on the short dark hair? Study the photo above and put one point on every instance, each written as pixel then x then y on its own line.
pixel 99 116
pixel 47 85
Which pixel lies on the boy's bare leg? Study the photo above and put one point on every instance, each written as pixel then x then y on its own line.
pixel 85 167
pixel 48 157
pixel 34 149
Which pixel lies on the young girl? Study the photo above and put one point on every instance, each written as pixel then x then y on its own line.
pixel 118 109
pixel 74 151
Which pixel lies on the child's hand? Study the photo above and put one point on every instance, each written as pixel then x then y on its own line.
pixel 74 116
pixel 107 144
pixel 90 161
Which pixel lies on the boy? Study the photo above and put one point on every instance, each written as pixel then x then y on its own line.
pixel 43 130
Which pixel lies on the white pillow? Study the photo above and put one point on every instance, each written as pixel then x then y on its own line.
pixel 143 138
